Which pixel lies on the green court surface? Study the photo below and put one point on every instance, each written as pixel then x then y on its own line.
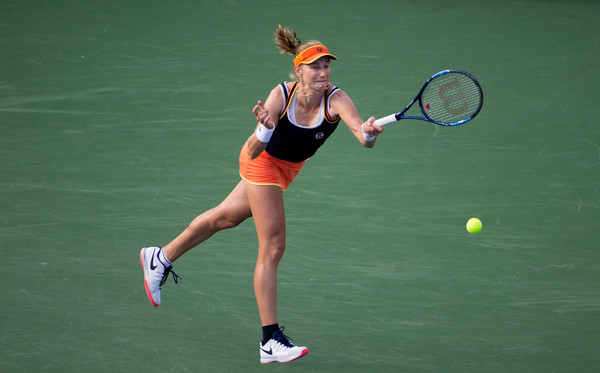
pixel 122 120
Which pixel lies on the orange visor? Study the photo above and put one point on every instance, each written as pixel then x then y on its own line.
pixel 311 54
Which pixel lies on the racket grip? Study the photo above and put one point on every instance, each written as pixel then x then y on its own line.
pixel 386 120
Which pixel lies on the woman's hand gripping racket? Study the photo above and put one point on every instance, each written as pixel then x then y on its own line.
pixel 449 98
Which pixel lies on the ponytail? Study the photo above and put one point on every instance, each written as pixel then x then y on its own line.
pixel 287 41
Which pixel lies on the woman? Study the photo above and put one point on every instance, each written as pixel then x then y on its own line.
pixel 293 123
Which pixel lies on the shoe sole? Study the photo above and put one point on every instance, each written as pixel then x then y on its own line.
pixel 269 361
pixel 146 281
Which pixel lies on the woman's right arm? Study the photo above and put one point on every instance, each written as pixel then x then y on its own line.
pixel 273 104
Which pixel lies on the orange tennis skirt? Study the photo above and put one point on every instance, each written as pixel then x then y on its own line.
pixel 268 170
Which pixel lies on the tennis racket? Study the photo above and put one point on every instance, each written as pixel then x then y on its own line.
pixel 449 98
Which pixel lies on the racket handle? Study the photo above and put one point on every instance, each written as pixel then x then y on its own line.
pixel 386 120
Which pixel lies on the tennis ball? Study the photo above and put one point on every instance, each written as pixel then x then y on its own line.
pixel 474 225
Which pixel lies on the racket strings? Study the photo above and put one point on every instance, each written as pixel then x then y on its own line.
pixel 451 98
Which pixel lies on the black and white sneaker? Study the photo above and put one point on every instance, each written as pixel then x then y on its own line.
pixel 279 349
pixel 155 273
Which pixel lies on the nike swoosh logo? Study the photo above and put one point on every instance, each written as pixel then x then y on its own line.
pixel 270 352
pixel 152 266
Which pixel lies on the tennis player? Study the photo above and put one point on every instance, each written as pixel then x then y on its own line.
pixel 294 121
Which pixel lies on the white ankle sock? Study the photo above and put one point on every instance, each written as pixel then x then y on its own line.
pixel 162 257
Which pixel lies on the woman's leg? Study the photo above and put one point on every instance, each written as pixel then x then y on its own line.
pixel 269 217
pixel 231 212
pixel 156 261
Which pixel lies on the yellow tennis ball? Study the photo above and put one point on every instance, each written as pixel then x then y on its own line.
pixel 474 225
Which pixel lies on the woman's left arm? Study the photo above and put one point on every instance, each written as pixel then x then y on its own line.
pixel 365 132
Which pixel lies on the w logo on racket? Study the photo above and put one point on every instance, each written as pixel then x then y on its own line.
pixel 451 94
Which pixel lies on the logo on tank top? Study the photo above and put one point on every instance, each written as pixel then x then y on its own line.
pixel 319 135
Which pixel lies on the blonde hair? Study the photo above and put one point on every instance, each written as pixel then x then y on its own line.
pixel 287 41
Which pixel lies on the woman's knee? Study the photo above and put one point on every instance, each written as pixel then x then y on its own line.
pixel 215 220
pixel 230 214
pixel 228 222
pixel 272 252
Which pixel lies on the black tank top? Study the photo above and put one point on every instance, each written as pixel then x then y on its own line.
pixel 294 143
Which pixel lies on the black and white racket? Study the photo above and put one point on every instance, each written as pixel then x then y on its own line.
pixel 449 98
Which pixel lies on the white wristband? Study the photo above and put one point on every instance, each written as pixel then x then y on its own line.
pixel 368 138
pixel 263 134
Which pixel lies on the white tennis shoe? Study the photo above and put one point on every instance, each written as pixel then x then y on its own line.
pixel 279 349
pixel 155 273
